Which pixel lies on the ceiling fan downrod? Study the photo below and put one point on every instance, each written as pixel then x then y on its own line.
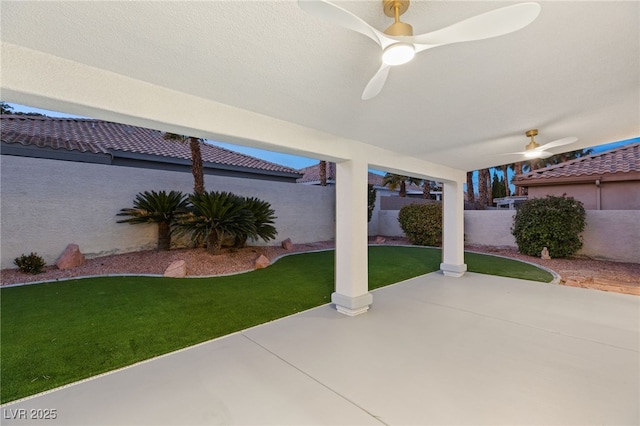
pixel 393 9
pixel 533 144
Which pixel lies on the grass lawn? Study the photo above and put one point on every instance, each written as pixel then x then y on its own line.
pixel 60 332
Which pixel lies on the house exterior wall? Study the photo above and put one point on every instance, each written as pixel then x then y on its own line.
pixel 47 204
pixel 621 195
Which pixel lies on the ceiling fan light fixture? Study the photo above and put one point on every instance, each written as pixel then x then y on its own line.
pixel 533 154
pixel 398 54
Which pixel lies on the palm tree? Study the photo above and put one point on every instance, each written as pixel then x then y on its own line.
pixel 212 216
pixel 263 219
pixel 323 172
pixel 156 207
pixel 393 181
pixel 471 196
pixel 197 167
pixel 517 169
pixel 483 187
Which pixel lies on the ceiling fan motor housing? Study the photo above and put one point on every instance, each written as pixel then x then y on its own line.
pixel 393 9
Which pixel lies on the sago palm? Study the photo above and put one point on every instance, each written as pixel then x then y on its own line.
pixel 156 207
pixel 213 215
pixel 263 220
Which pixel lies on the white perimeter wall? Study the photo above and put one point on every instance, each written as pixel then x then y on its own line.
pixel 47 204
pixel 609 234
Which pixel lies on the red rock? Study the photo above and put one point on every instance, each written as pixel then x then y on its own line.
pixel 380 240
pixel 287 244
pixel 262 262
pixel 70 258
pixel 176 269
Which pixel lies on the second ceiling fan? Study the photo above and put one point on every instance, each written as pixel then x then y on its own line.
pixel 398 43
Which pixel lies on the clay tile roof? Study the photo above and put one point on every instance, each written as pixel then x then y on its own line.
pixel 96 136
pixel 311 174
pixel 625 159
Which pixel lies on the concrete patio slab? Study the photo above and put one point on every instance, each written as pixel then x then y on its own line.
pixel 431 350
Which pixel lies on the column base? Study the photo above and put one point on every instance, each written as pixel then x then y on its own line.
pixel 352 306
pixel 450 270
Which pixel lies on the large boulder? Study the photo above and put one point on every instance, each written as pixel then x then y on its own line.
pixel 70 258
pixel 176 269
pixel 287 244
pixel 262 262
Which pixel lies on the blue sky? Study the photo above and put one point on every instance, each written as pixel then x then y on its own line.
pixel 293 161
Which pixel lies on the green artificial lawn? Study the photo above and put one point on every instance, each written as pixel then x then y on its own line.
pixel 60 332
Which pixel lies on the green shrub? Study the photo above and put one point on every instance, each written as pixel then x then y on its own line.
pixel 422 223
pixel 552 222
pixel 31 264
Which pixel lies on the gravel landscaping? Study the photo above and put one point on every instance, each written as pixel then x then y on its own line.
pixel 576 271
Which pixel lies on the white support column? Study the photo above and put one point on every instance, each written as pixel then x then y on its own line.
pixel 453 231
pixel 351 295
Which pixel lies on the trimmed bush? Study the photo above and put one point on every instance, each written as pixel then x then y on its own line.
pixel 31 264
pixel 552 222
pixel 422 223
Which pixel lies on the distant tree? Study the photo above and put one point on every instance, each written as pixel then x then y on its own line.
pixel 505 180
pixel 471 196
pixel 483 187
pixel 156 207
pixel 197 166
pixel 393 181
pixel 428 186
pixel 497 187
pixel 5 108
pixel 517 169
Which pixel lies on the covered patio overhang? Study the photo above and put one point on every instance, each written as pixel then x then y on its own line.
pixel 268 75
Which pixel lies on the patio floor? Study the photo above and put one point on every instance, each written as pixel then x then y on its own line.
pixel 432 350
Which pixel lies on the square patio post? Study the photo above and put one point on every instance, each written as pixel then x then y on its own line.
pixel 351 295
pixel 453 230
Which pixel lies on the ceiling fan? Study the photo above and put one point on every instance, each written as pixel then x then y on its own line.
pixel 535 150
pixel 398 43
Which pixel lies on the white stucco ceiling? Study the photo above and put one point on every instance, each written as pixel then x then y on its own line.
pixel 573 72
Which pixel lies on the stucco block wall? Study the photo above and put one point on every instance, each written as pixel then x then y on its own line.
pixel 612 235
pixel 608 235
pixel 47 204
pixel 489 227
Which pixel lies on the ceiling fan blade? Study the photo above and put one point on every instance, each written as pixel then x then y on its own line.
pixel 333 13
pixel 376 83
pixel 559 142
pixel 545 154
pixel 487 25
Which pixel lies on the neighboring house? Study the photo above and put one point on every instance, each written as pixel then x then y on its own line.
pixel 104 142
pixel 311 176
pixel 604 181
pixel 384 220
